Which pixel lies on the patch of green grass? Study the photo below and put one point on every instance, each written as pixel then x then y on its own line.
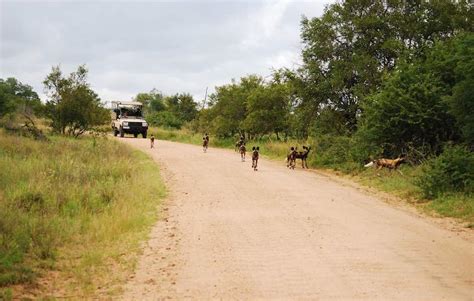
pixel 397 183
pixel 6 294
pixel 182 135
pixel 79 206
pixel 455 205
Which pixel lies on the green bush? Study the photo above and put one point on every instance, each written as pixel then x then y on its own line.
pixel 452 171
pixel 164 119
pixel 339 152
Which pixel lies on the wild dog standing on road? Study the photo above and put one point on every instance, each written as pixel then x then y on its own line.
pixel 291 158
pixel 239 143
pixel 242 151
pixel 303 156
pixel 255 155
pixel 205 142
pixel 152 141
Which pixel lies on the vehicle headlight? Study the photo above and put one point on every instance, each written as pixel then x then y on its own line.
pixel 125 123
pixel 144 124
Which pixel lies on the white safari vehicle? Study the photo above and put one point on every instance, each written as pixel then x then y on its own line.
pixel 127 118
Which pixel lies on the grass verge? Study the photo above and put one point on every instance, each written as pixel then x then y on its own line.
pixel 72 214
pixel 337 158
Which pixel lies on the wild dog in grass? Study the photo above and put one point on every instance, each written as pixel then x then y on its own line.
pixel 255 155
pixel 303 156
pixel 242 151
pixel 291 158
pixel 390 164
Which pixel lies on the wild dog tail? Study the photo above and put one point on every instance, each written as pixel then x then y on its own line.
pixel 371 163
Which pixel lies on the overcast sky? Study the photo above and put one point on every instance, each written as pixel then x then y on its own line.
pixel 135 46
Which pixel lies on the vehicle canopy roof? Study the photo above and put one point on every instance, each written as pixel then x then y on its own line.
pixel 126 104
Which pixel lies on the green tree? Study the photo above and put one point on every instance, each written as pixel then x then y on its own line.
pixel 16 96
pixel 461 101
pixel 425 103
pixel 268 110
pixel 187 108
pixel 72 106
pixel 229 108
pixel 347 51
pixel 408 112
pixel 152 101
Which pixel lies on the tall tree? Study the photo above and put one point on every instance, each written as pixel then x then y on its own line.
pixel 230 105
pixel 268 110
pixel 73 106
pixel 347 51
pixel 425 103
pixel 15 95
pixel 461 100
pixel 152 101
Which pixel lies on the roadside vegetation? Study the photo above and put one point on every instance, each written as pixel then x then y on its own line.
pixel 442 184
pixel 378 79
pixel 74 205
pixel 78 207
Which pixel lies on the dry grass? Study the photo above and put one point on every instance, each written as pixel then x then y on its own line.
pixel 73 213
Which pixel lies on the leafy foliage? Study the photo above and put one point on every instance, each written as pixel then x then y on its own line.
pixel 413 107
pixel 347 51
pixel 168 111
pixel 17 96
pixel 73 107
pixel 452 171
pixel 461 101
pixel 152 101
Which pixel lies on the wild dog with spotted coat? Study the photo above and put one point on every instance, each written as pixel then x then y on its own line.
pixel 391 164
pixel 242 151
pixel 291 158
pixel 303 156
pixel 255 155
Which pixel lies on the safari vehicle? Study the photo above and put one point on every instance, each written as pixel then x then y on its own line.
pixel 127 118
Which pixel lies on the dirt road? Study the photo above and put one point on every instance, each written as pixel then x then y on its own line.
pixel 228 232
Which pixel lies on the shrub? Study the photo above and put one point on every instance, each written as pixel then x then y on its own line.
pixel 165 119
pixel 339 152
pixel 452 171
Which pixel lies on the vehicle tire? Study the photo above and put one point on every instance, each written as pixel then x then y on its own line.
pixel 144 135
pixel 135 135
pixel 122 133
pixel 115 132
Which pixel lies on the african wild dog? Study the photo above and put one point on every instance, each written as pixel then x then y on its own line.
pixel 242 151
pixel 255 155
pixel 303 156
pixel 388 163
pixel 291 158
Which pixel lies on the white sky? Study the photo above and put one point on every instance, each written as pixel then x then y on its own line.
pixel 135 46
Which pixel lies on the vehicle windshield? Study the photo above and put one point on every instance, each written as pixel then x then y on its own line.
pixel 131 112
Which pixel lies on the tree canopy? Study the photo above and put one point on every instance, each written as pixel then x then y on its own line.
pixel 73 106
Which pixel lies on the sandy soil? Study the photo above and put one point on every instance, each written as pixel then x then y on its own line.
pixel 228 232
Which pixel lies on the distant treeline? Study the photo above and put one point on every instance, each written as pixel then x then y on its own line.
pixel 397 76
pixel 378 78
